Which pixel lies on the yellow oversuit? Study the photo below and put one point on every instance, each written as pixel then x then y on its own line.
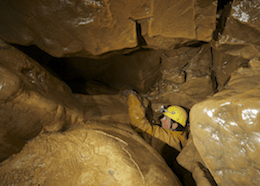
pixel 175 139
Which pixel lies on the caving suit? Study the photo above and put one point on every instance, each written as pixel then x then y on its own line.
pixel 175 139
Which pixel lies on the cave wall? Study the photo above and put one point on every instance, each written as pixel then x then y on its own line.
pixel 94 27
pixel 189 53
pixel 31 101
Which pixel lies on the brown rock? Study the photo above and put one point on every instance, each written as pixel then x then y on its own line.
pixel 190 159
pixel 93 154
pixel 112 108
pixel 180 24
pixel 176 23
pixel 241 32
pixel 225 129
pixel 69 27
pixel 31 100
pixel 137 70
pixel 187 71
pixel 90 28
pixel 199 85
pixel 224 64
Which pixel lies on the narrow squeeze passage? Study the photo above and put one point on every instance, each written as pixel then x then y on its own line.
pixel 104 77
pixel 168 98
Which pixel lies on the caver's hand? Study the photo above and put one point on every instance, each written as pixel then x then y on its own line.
pixel 135 109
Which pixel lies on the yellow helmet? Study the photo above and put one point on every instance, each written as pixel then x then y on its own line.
pixel 177 114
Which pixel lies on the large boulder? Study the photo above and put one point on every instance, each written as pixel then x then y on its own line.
pixel 226 129
pixel 32 100
pixel 66 27
pixel 176 23
pixel 137 70
pixel 110 108
pixel 90 28
pixel 239 35
pixel 224 64
pixel 186 78
pixel 89 154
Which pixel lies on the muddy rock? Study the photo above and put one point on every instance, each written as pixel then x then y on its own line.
pixel 225 129
pixel 89 154
pixel 31 101
pixel 240 36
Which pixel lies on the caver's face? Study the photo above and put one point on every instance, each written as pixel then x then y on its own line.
pixel 166 123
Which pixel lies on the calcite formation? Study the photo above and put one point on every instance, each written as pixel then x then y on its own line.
pixel 30 101
pixel 95 27
pixel 89 154
pixel 226 129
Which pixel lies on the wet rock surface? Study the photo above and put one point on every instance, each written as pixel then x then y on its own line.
pixel 226 129
pixel 89 154
pixel 30 101
pixel 137 70
pixel 94 27
pixel 171 53
pixel 112 108
pixel 240 35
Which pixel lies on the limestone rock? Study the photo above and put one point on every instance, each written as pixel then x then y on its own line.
pixel 225 129
pixel 224 64
pixel 199 85
pixel 241 36
pixel 93 154
pixel 65 27
pixel 90 28
pixel 137 70
pixel 175 23
pixel 186 71
pixel 112 108
pixel 190 159
pixel 31 100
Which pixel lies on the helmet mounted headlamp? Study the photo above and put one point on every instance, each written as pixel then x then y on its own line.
pixel 163 109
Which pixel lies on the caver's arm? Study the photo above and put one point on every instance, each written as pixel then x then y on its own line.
pixel 138 120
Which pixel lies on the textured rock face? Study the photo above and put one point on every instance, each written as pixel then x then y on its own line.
pixel 65 27
pixel 30 101
pixel 191 160
pixel 187 71
pixel 137 70
pixel 96 155
pixel 112 108
pixel 93 27
pixel 224 64
pixel 226 129
pixel 97 152
pixel 186 78
pixel 240 36
pixel 174 23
